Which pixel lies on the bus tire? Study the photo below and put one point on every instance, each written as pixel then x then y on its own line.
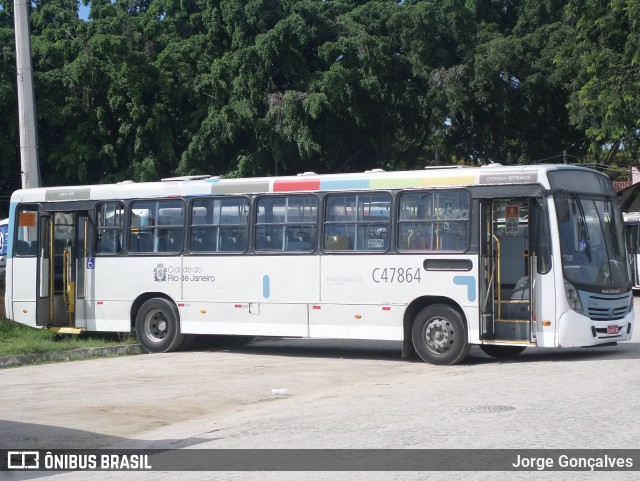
pixel 502 352
pixel 157 326
pixel 439 335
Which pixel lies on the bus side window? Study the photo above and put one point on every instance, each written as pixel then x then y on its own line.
pixel 542 238
pixel 108 242
pixel 170 239
pixel 300 238
pixel 336 238
pixel 203 239
pixel 165 244
pixel 109 228
pixel 286 223
pixel 219 224
pixel 26 241
pixel 141 241
pixel 269 238
pixel 22 248
pixel 105 244
pixel 228 241
pixel 357 222
pixel 434 221
pixel 377 239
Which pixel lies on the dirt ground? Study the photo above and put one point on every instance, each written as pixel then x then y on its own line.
pixel 329 394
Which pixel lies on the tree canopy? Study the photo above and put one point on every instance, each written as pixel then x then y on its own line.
pixel 145 89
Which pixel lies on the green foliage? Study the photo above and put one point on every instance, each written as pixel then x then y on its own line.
pixel 513 95
pixel 605 96
pixel 17 339
pixel 152 88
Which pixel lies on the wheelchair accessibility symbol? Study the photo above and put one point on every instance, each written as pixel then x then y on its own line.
pixel 91 262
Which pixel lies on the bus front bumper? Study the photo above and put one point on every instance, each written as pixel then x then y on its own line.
pixel 576 330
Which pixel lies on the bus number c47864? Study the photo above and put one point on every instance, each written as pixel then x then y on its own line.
pixel 396 274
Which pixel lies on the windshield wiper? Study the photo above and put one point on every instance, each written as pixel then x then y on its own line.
pixel 583 225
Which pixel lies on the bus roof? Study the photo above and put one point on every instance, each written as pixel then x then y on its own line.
pixel 493 174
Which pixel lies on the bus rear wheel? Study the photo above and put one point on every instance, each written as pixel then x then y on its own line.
pixel 502 352
pixel 157 326
pixel 439 335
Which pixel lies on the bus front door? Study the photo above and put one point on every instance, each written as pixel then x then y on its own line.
pixel 505 281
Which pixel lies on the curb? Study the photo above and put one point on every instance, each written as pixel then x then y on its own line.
pixel 73 354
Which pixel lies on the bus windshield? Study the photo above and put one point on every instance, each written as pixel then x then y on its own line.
pixel 592 241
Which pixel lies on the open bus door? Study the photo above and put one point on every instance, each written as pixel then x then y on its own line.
pixel 512 277
pixel 61 253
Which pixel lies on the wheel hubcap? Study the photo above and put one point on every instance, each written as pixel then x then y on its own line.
pixel 438 335
pixel 156 326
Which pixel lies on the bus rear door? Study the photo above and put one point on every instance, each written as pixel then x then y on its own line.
pixel 61 253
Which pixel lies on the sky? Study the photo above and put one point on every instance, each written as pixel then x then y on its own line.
pixel 83 12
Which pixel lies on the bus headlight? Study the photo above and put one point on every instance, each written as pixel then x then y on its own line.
pixel 573 298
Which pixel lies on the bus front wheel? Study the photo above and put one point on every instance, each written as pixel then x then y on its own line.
pixel 439 335
pixel 157 326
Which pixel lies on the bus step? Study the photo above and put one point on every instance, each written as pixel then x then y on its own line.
pixel 66 330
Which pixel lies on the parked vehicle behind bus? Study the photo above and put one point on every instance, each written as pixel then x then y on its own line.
pixel 4 229
pixel 632 237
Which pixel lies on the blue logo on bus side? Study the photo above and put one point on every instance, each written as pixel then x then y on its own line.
pixel 468 281
pixel 266 287
pixel 91 262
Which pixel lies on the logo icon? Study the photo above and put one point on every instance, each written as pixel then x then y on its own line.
pixel 160 273
pixel 23 460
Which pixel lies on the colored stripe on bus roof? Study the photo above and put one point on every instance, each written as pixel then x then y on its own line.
pixel 244 187
pixel 338 184
pixel 287 185
pixel 426 181
pixel 297 184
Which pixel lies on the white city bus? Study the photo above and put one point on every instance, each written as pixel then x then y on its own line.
pixel 440 259
pixel 632 235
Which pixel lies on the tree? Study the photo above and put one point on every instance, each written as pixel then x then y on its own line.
pixel 152 88
pixel 507 98
pixel 605 101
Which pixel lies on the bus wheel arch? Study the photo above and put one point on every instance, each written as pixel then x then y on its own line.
pixel 157 323
pixel 430 322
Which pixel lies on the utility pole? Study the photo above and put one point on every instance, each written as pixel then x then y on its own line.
pixel 30 169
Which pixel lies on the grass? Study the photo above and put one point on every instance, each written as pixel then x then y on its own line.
pixel 17 339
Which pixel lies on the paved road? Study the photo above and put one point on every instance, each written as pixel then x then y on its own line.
pixel 338 395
